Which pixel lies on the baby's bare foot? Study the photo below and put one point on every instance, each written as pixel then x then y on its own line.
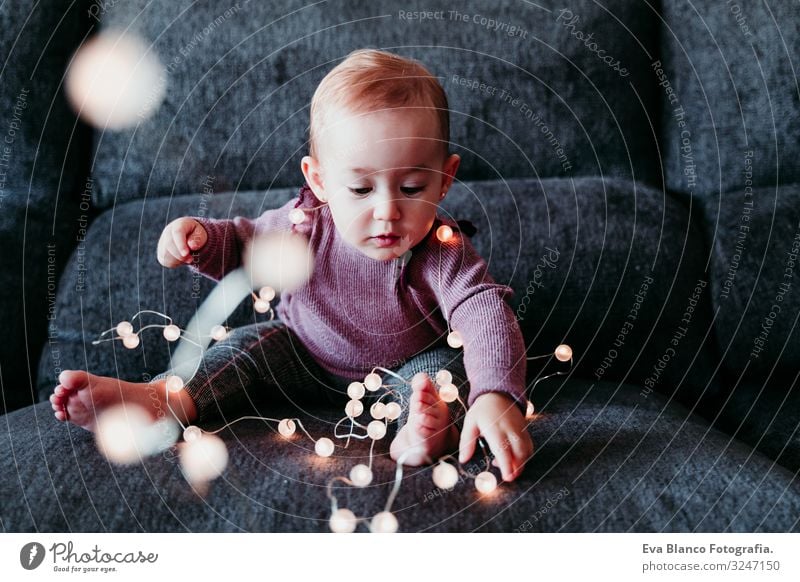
pixel 81 397
pixel 428 433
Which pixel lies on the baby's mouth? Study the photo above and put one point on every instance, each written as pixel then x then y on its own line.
pixel 386 240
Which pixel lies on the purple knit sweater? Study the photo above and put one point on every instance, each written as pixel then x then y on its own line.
pixel 356 313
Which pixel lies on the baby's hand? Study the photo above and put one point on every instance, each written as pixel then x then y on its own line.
pixel 495 416
pixel 180 236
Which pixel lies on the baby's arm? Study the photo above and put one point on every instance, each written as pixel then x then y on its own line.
pixel 494 351
pixel 214 247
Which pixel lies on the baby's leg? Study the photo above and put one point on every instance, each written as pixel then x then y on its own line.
pixel 253 362
pixel 80 397
pixel 428 425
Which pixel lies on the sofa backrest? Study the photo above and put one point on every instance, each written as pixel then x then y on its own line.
pixel 729 75
pixel 731 122
pixel 41 177
pixel 536 89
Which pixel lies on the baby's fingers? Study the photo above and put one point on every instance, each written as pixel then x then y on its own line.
pixel 169 255
pixel 469 435
pixel 197 237
pixel 179 243
pixel 521 449
pixel 502 454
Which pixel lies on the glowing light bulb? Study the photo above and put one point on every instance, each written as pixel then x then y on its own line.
pixel 376 430
pixel 324 447
pixel 355 390
pixel 448 393
pixel 266 293
pixel 393 411
pixel 444 233
pixel 286 427
pixel 121 434
pixel 204 459
pixel 443 378
pixel 383 522
pixel 280 259
pixel 361 475
pixel 130 341
pixel 172 332
pixel 454 340
pixel 174 383
pixel 219 333
pixel 485 482
pixel 378 411
pixel 372 382
pixel 192 433
pixel 343 521
pixel 124 328
pixel 297 216
pixel 445 475
pixel 261 306
pixel 529 410
pixel 353 408
pixel 563 353
pixel 115 80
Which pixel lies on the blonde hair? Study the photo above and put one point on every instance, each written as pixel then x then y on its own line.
pixel 371 80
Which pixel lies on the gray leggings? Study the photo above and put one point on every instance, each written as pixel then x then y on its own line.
pixel 265 363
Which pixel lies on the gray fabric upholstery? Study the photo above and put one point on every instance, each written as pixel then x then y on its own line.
pixel 241 77
pixel 41 172
pixel 765 415
pixel 755 242
pixel 607 459
pixel 733 68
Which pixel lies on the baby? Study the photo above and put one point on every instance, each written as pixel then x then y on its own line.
pixel 385 289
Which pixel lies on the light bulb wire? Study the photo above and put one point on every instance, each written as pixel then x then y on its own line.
pixel 332 497
pixel 441 293
pixel 398 478
pixel 136 332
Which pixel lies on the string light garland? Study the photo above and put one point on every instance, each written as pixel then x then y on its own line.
pixel 204 456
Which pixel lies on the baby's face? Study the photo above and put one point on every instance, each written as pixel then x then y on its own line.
pixel 383 175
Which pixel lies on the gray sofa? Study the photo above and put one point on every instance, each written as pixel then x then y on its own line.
pixel 632 171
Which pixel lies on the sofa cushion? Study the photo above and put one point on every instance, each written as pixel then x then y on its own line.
pixel 755 242
pixel 606 460
pixel 566 91
pixel 616 271
pixel 766 416
pixel 731 114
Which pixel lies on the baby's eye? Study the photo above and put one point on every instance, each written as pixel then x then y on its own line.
pixel 411 189
pixel 360 191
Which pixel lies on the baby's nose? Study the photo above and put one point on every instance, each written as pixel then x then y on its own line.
pixel 386 208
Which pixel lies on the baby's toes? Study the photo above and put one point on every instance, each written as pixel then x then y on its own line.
pixel 60 415
pixel 424 429
pixel 63 392
pixel 423 400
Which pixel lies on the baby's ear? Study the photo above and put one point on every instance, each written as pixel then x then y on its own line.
pixel 311 170
pixel 449 170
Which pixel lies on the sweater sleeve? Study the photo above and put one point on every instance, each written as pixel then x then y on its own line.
pixel 494 349
pixel 227 238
